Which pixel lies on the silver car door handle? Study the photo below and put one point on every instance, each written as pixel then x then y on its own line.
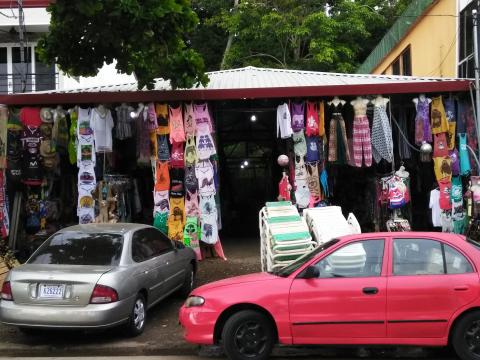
pixel 145 272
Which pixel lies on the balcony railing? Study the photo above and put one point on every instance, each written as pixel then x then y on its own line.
pixel 13 84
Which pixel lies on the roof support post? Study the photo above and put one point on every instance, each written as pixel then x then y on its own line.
pixel 477 71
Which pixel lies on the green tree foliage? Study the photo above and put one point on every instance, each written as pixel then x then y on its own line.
pixel 326 35
pixel 145 37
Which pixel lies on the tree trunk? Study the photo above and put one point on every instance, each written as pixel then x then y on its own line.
pixel 229 41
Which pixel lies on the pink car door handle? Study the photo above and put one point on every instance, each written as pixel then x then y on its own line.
pixel 370 290
pixel 461 288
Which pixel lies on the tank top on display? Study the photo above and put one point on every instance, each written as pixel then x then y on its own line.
pixel 162 176
pixel 207 204
pixel 313 179
pixel 463 153
pixel 209 228
pixel 299 143
pixel 177 208
pixel 151 118
pixel 202 116
pixel 161 111
pixel 302 193
pixel 84 127
pixel 204 174
pixel 163 152
pixel 300 169
pixel 161 201
pixel 312 127
pixel 205 146
pixel 312 149
pixel 177 159
pixel 190 151
pixel 177 133
pixel 189 120
pixel 191 182
pixel 298 117
pixel 191 204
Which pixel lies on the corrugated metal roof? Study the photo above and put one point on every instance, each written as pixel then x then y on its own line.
pixel 255 78
pixel 249 82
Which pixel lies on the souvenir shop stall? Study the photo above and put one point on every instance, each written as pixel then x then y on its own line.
pixel 150 163
pixel 399 163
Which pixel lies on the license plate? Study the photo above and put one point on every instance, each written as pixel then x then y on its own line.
pixel 51 291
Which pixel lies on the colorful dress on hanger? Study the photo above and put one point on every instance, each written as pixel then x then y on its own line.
pixel 338 151
pixel 423 131
pixel 382 141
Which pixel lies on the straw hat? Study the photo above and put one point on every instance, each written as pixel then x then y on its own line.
pixel 46 114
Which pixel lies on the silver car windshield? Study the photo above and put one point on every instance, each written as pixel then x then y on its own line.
pixel 78 248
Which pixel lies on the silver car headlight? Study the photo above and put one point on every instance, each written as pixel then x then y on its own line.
pixel 194 301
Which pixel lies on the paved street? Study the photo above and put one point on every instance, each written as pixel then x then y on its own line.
pixel 163 335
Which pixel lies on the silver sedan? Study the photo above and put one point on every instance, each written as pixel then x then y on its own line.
pixel 96 276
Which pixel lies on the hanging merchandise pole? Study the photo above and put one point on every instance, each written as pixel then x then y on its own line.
pixel 477 68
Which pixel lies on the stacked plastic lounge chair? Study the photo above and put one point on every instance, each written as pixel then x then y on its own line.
pixel 327 223
pixel 284 235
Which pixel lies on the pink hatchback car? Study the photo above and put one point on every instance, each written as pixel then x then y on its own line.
pixel 381 288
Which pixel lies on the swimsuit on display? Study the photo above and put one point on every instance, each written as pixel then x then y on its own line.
pixel 177 132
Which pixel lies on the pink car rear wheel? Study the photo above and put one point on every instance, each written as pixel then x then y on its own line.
pixel 248 334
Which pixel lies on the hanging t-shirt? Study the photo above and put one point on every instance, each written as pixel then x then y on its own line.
pixel 162 176
pixel 302 193
pixel 189 120
pixel 313 179
pixel 191 233
pixel 31 139
pixel 284 188
pixel 435 206
pixel 207 204
pixel 161 112
pixel 72 141
pixel 161 201
pixel 191 182
pixel 445 191
pixel 192 207
pixel 209 227
pixel 463 153
pixel 102 125
pixel 451 135
pixel 160 221
pixel 440 147
pixel 177 177
pixel 438 116
pixel 204 174
pixel 177 158
pixel 205 146
pixel 313 154
pixel 300 169
pixel 163 152
pixel 299 143
pixel 454 156
pixel 190 151
pixel 14 155
pixel 30 116
pixel 202 117
pixel 284 122
pixel 177 209
pixel 86 149
pixel 177 132
pixel 85 198
pixel 443 168
pixel 32 173
pixel 312 126
pixel 298 117
pixel 86 173
pixel 86 216
pixel 151 121
pixel 84 127
pixel 456 195
pixel 175 229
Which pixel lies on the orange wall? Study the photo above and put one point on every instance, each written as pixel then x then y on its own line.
pixel 433 43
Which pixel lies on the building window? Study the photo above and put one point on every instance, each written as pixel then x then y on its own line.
pixel 31 75
pixel 403 64
pixel 466 62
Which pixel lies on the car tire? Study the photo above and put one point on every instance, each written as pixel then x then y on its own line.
pixel 188 283
pixel 466 337
pixel 248 334
pixel 138 317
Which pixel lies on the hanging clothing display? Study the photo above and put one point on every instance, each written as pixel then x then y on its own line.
pixel 284 121
pixel 298 117
pixel 299 143
pixel 73 140
pixel 284 188
pixel 151 118
pixel 60 129
pixel 204 174
pixel 439 119
pixel 442 167
pixel 313 148
pixel 161 201
pixel 313 179
pixel 445 191
pixel 423 130
pixel 435 207
pixel 440 147
pixel 189 120
pixel 312 126
pixel 382 141
pixel 161 113
pixel 202 119
pixel 102 124
pixel 338 150
pixel 123 128
pixel 177 132
pixel 362 146
pixel 463 153
pixel 162 176
pixel 205 146
pixel 177 159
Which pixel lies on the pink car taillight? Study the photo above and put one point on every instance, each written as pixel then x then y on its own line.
pixel 103 295
pixel 6 293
